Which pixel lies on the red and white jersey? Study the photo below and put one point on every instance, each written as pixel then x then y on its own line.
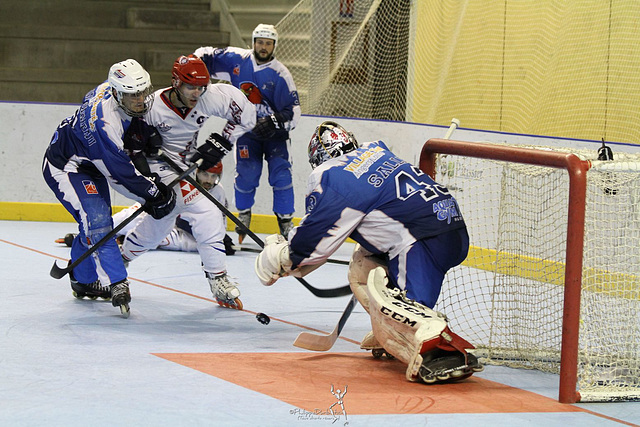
pixel 179 127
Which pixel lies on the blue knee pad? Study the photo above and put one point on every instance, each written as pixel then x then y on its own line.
pixel 280 178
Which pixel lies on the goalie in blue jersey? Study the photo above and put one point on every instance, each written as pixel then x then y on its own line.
pixel 409 231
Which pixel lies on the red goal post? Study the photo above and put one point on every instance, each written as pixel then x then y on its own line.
pixel 532 317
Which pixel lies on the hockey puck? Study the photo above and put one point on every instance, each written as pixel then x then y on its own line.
pixel 263 318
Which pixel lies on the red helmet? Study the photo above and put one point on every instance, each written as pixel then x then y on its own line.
pixel 191 70
pixel 217 168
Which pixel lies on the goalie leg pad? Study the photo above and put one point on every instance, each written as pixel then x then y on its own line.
pixel 413 333
pixel 361 263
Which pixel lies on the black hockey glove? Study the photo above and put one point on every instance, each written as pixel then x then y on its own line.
pixel 267 126
pixel 154 142
pixel 141 140
pixel 141 137
pixel 212 151
pixel 162 204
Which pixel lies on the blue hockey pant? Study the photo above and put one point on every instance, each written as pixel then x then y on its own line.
pixel 421 267
pixel 88 200
pixel 249 161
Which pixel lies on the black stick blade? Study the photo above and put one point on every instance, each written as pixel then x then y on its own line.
pixel 57 272
pixel 326 293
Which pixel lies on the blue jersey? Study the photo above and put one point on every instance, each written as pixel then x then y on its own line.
pixel 90 142
pixel 269 86
pixel 374 197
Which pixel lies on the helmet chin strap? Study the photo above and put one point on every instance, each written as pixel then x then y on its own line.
pixel 175 90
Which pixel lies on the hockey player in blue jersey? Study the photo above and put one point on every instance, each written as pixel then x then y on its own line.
pixel 85 156
pixel 268 84
pixel 409 232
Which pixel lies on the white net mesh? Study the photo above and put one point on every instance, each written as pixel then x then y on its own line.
pixel 508 296
pixel 538 67
pixel 348 58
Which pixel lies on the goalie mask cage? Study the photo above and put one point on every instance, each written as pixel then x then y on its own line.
pixel 551 281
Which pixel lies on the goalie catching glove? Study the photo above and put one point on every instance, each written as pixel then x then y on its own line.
pixel 273 262
pixel 267 126
pixel 212 151
pixel 162 204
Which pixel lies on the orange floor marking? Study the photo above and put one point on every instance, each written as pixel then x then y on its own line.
pixel 374 386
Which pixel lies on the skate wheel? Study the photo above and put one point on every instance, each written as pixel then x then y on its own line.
pixel 236 304
pixel 77 295
pixel 124 309
pixel 377 353
pixel 93 297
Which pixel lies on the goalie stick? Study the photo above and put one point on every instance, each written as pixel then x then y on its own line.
pixel 320 293
pixel 315 342
pixel 58 273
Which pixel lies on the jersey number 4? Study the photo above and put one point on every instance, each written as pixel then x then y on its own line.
pixel 408 185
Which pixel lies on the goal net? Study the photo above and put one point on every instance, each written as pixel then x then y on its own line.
pixel 551 281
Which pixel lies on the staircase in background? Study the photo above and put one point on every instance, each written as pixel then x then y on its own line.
pixel 57 50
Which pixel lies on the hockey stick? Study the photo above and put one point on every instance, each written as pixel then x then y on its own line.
pixel 314 342
pixel 58 273
pixel 257 251
pixel 320 293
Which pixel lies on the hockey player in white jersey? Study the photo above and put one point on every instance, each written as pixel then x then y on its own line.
pixel 180 238
pixel 178 114
pixel 85 156
pixel 409 231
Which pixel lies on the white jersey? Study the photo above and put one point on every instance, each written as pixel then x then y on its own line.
pixel 178 239
pixel 179 128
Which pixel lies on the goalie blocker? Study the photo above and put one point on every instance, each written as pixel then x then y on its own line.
pixel 417 335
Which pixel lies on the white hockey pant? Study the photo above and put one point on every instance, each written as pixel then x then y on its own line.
pixel 206 221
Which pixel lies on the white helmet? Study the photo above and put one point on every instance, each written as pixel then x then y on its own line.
pixel 129 77
pixel 265 31
pixel 328 141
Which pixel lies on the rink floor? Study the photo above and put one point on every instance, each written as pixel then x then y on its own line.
pixel 181 360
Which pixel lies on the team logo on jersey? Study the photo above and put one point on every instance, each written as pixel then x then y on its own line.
pixel 188 191
pixel 244 151
pixel 445 210
pixel 163 127
pixel 236 70
pixel 90 187
pixel 252 92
